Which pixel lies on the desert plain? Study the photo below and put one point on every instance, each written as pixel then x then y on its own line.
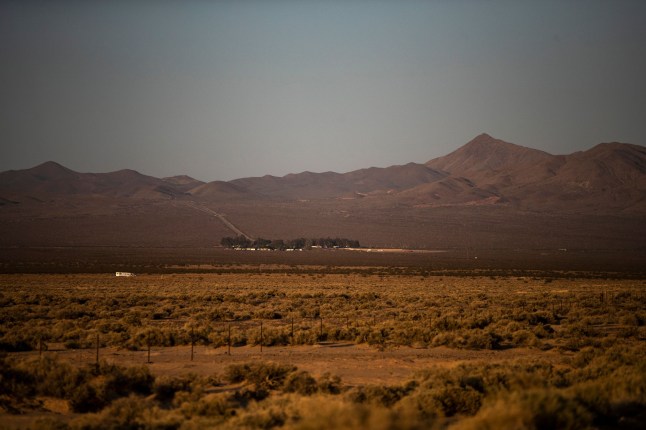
pixel 249 345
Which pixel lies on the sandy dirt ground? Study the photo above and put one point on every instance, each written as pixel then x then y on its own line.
pixel 355 364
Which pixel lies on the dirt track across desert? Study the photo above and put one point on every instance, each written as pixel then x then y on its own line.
pixel 219 216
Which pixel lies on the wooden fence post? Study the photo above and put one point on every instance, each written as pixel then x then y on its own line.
pixel 229 340
pixel 148 342
pixel 192 342
pixel 97 352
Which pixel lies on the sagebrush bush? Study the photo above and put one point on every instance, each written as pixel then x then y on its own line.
pixel 300 382
pixel 266 375
pixel 87 388
pixel 165 387
pixel 380 395
pixel 531 410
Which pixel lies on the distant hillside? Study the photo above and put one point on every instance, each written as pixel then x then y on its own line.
pixel 222 190
pixel 308 185
pixel 608 177
pixel 51 180
pixel 487 193
pixel 494 163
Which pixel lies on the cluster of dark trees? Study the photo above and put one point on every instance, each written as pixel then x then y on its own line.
pixel 281 245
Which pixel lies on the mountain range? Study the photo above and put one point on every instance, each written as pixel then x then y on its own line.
pixel 485 184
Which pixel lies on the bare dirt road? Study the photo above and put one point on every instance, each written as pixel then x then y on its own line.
pixel 219 216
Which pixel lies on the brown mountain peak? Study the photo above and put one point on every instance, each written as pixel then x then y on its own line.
pixel 486 142
pixel 488 161
pixel 51 169
pixel 485 152
pixel 182 180
pixel 483 138
pixel 615 147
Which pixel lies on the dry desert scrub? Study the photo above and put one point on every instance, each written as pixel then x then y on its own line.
pixel 381 310
pixel 596 328
pixel 598 389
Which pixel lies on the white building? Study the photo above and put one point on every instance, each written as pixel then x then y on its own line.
pixel 128 274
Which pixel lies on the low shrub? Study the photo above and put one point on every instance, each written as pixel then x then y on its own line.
pixel 165 387
pixel 300 382
pixel 266 375
pixel 330 384
pixel 536 409
pixel 380 395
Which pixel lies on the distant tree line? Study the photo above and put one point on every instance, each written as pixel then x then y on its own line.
pixel 281 245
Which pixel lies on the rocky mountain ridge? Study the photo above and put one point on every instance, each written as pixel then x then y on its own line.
pixel 485 171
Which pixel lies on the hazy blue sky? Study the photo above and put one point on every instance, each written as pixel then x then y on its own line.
pixel 224 89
